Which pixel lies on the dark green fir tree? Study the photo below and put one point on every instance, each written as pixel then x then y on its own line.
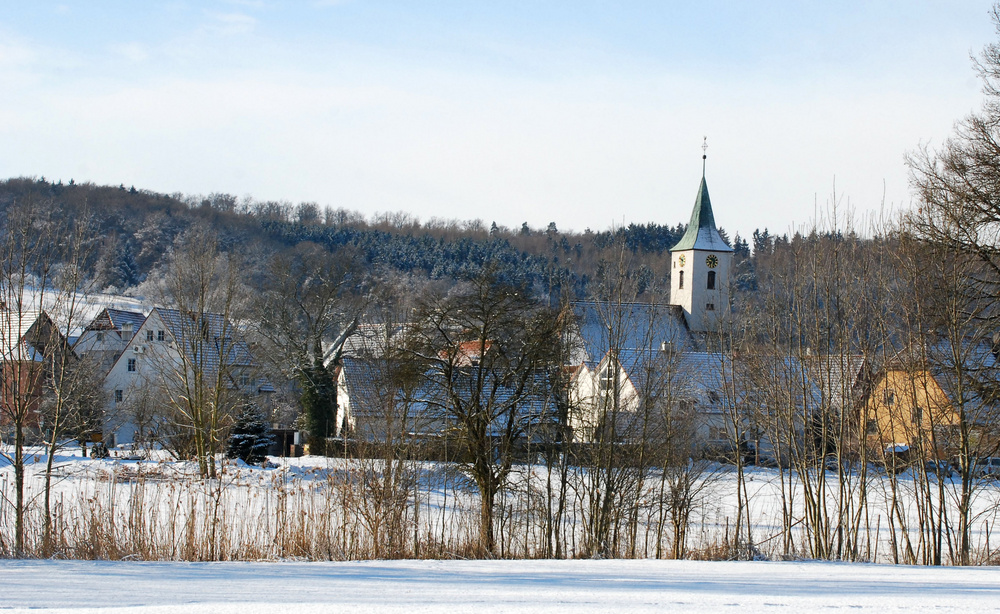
pixel 251 435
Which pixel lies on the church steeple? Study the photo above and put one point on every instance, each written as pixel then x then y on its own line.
pixel 701 231
pixel 700 264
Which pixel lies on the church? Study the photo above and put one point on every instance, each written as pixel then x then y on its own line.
pixel 629 350
pixel 699 269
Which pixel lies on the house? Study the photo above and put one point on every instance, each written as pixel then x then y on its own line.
pixel 383 399
pixel 377 403
pixel 648 393
pixel 918 398
pixel 28 338
pixel 172 357
pixel 107 335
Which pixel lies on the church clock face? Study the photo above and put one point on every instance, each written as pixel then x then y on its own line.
pixel 682 260
pixel 712 261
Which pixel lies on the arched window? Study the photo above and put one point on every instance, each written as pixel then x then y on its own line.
pixel 711 280
pixel 680 282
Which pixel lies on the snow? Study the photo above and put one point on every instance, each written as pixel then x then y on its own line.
pixel 268 513
pixel 414 586
pixel 493 586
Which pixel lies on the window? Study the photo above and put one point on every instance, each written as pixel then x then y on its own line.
pixel 118 396
pixel 100 336
pixel 872 427
pixel 680 281
pixel 710 307
pixel 918 415
pixel 160 336
pixel 717 433
pixel 711 280
pixel 127 329
pixel 131 365
pixel 149 335
pixel 244 379
pixel 606 382
pixel 890 398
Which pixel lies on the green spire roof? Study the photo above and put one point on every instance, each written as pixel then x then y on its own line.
pixel 701 232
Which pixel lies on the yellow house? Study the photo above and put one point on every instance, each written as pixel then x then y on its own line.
pixel 908 409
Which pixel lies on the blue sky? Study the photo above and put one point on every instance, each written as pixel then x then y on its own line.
pixel 587 114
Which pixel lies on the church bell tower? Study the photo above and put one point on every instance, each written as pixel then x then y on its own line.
pixel 700 265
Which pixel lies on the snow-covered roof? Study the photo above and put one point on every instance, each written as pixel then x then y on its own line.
pixel 14 328
pixel 631 326
pixel 116 319
pixel 206 338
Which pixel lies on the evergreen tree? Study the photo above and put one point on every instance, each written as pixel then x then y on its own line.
pixel 126 271
pixel 251 435
pixel 319 405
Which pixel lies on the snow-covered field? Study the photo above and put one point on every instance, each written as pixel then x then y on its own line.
pixel 493 586
pixel 161 510
pixel 317 508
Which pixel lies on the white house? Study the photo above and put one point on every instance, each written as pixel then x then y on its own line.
pixel 108 334
pixel 164 357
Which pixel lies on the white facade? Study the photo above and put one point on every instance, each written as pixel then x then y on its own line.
pixel 107 335
pixel 699 269
pixel 136 373
pixel 699 284
pixel 151 369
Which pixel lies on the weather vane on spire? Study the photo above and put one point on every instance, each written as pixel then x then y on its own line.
pixel 704 155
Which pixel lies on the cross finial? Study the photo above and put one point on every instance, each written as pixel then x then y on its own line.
pixel 704 154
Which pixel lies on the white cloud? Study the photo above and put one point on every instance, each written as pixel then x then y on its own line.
pixel 132 52
pixel 583 152
pixel 231 23
pixel 255 4
pixel 14 52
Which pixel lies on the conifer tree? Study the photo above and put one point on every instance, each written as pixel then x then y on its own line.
pixel 251 435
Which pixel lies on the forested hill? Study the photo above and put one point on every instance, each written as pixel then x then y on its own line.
pixel 137 227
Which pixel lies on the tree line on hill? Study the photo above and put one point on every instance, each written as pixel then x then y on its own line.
pixel 136 229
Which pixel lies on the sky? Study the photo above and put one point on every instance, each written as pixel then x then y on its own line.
pixel 586 113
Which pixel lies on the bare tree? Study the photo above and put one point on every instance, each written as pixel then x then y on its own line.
pixel 200 380
pixel 30 233
pixel 312 301
pixel 488 351
pixel 386 422
pixel 959 215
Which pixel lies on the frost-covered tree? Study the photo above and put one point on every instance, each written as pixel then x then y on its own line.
pixel 251 435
